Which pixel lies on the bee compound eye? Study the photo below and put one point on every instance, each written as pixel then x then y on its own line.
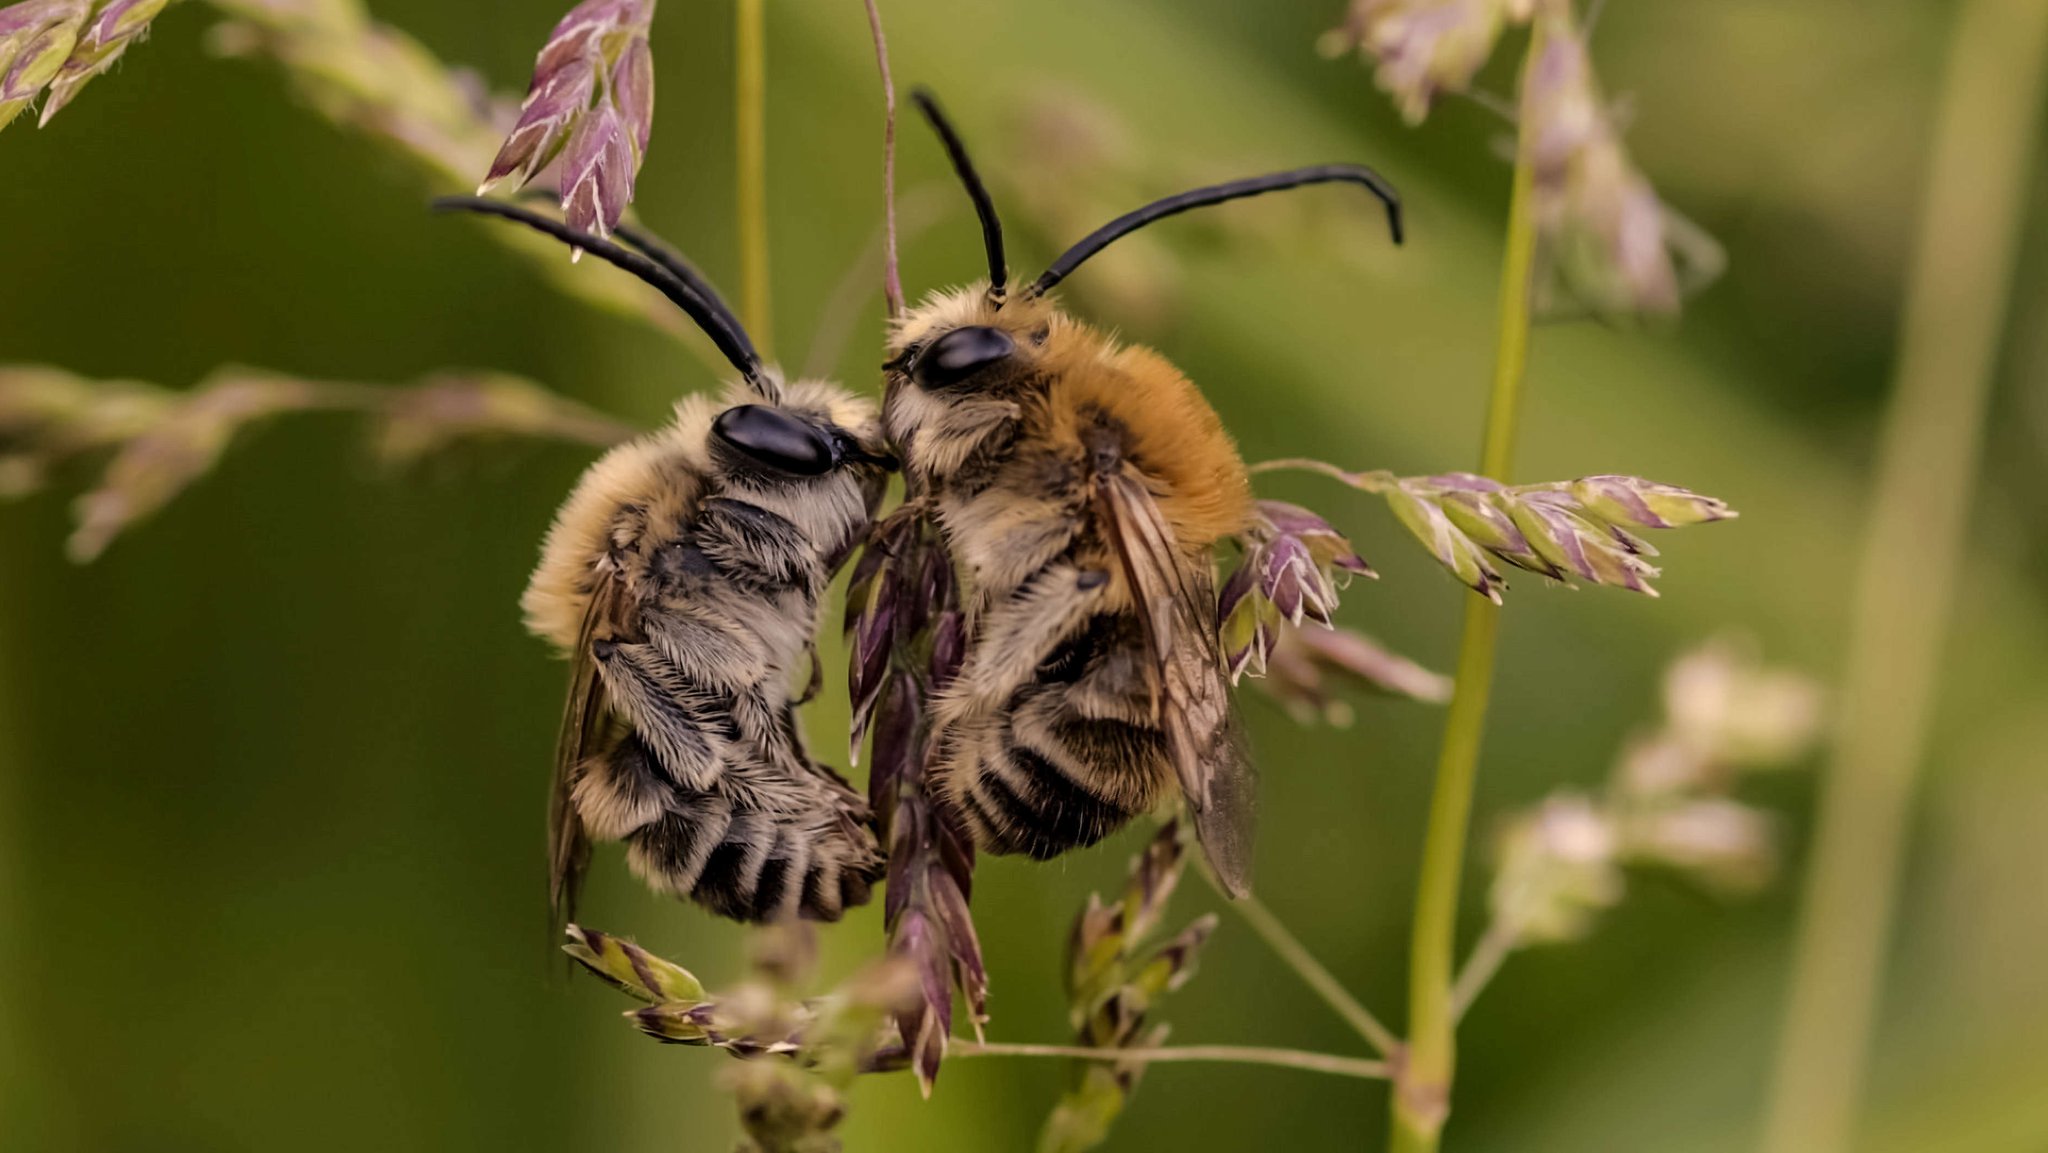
pixel 955 358
pixel 775 439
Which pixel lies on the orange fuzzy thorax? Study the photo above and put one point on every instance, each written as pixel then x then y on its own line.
pixel 1171 433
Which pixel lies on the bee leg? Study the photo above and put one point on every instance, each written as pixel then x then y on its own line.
pixel 1014 637
pixel 742 538
pixel 687 726
pixel 817 681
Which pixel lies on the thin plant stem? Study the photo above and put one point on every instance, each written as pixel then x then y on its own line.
pixel 750 78
pixel 1311 971
pixel 1226 1054
pixel 892 275
pixel 1493 949
pixel 1373 482
pixel 1985 139
pixel 1422 1093
pixel 572 424
pixel 923 207
pixel 23 1076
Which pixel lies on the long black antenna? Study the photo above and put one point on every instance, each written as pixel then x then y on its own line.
pixel 984 207
pixel 661 267
pixel 1130 222
pixel 664 254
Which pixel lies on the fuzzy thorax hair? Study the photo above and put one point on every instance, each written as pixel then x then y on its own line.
pixel 1075 373
pixel 663 476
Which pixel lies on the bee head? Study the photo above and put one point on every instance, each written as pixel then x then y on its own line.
pixel 816 458
pixel 961 345
pixel 960 366
pixel 818 432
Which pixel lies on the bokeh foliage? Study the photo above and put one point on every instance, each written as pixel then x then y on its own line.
pixel 271 771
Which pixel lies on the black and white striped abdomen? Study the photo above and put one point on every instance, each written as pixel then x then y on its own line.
pixel 1073 758
pixel 803 856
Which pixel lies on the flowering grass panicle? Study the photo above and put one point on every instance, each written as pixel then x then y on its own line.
pixel 1582 530
pixel 1306 665
pixel 1565 531
pixel 161 461
pixel 163 441
pixel 1669 803
pixel 905 633
pixel 797 1056
pixel 57 46
pixel 1114 979
pixel 1610 246
pixel 1294 565
pixel 443 122
pixel 590 105
pixel 1607 243
pixel 49 416
pixel 1424 48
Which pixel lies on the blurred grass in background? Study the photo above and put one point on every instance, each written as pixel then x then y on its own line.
pixel 271 772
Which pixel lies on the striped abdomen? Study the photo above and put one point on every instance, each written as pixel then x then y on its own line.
pixel 1074 755
pixel 788 844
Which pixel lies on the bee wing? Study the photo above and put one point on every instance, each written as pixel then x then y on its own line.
pixel 583 723
pixel 1176 601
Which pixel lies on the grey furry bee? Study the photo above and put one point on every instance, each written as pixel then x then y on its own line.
pixel 682 579
pixel 1081 487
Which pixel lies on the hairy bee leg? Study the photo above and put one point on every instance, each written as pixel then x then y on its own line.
pixel 752 545
pixel 768 727
pixel 709 649
pixel 1013 638
pixel 817 680
pixel 685 725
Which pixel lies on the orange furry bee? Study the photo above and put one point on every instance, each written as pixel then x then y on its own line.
pixel 1081 487
pixel 683 578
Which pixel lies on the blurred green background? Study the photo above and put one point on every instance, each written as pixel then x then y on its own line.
pixel 272 771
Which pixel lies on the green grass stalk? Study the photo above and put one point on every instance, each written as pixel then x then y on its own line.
pixel 1422 1085
pixel 1224 1054
pixel 751 99
pixel 1985 139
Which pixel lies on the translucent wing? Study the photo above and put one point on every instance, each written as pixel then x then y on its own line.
pixel 584 722
pixel 1176 599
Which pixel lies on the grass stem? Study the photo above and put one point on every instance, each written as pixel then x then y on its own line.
pixel 1986 132
pixel 1311 971
pixel 1226 1054
pixel 1493 950
pixel 1422 1092
pixel 751 100
pixel 892 276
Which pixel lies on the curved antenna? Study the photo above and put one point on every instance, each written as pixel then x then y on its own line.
pixel 984 207
pixel 1130 222
pixel 662 253
pixel 660 267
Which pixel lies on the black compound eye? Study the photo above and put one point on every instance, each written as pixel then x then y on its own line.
pixel 955 357
pixel 775 439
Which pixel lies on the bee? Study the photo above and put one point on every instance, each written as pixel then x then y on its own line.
pixel 1081 487
pixel 682 579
